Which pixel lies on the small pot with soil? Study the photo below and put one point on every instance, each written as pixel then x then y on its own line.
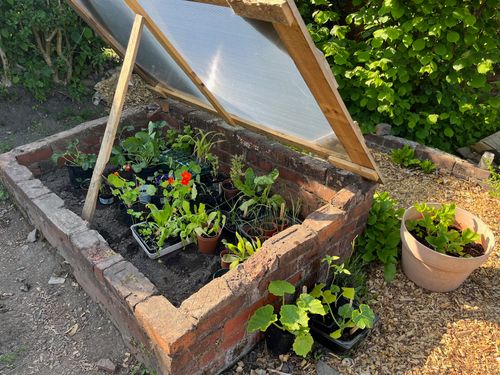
pixel 278 341
pixel 77 174
pixel 269 228
pixel 436 271
pixel 207 244
pixel 322 326
pixel 229 189
pixel 282 223
pixel 106 198
pixel 224 265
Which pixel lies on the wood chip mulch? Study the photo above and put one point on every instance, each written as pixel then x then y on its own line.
pixel 433 333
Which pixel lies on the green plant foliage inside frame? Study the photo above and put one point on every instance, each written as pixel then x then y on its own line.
pixel 427 67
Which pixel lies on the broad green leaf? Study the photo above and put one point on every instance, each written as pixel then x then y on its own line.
pixel 348 293
pixel 345 311
pixel 303 343
pixel 328 297
pixel 280 287
pixel 261 319
pixel 418 44
pixel 293 318
pixel 336 334
pixel 363 317
pixel 317 290
pixel 453 36
pixel 485 66
pixel 311 304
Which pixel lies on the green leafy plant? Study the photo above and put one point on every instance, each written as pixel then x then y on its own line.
pixel 200 222
pixel 426 67
pixel 494 181
pixel 162 224
pixel 381 239
pixel 240 251
pixel 203 143
pixel 405 156
pixel 293 318
pixel 257 192
pixel 183 142
pixel 142 150
pixel 438 228
pixel 45 43
pixel 73 156
pixel 338 303
pixel 335 303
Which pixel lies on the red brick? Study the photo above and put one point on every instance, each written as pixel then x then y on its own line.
pixel 326 221
pixel 42 153
pixel 233 325
pixel 129 283
pixel 232 340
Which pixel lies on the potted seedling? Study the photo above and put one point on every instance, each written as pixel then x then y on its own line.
pixel 105 195
pixel 289 327
pixel 236 171
pixel 235 254
pixel 442 245
pixel 345 324
pixel 282 221
pixel 128 193
pixel 206 226
pixel 80 165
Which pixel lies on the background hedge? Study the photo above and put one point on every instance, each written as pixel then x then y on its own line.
pixel 424 66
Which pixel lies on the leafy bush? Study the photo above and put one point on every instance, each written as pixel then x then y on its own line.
pixel 381 238
pixel 44 42
pixel 424 66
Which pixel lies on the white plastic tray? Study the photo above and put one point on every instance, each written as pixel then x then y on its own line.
pixel 166 250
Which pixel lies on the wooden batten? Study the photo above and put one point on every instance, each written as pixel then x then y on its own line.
pixel 114 118
pixel 177 57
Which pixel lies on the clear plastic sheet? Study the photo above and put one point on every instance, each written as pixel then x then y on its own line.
pixel 241 61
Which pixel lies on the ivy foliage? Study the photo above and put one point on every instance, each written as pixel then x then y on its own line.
pixel 44 42
pixel 426 66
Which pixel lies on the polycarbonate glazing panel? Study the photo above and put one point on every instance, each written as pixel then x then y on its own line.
pixel 243 63
pixel 117 18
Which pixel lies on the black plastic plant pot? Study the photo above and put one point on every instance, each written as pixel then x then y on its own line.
pixel 106 199
pixel 147 173
pixel 127 219
pixel 278 341
pixel 77 175
pixel 320 331
pixel 220 273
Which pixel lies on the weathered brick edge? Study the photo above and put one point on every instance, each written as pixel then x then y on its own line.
pixel 207 333
pixel 453 164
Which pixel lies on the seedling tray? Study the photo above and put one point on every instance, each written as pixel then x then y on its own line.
pixel 170 247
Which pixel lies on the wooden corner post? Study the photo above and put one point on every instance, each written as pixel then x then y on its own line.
pixel 323 86
pixel 114 117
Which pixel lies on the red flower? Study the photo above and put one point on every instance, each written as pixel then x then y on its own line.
pixel 116 173
pixel 186 177
pixel 170 180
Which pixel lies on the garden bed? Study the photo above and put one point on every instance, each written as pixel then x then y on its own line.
pixel 187 269
pixel 206 331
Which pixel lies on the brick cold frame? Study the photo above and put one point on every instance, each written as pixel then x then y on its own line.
pixel 207 332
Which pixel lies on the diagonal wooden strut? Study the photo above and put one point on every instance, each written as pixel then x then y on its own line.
pixel 177 57
pixel 114 117
pixel 322 84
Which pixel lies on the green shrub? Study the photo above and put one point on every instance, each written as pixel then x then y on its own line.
pixel 381 239
pixel 424 66
pixel 45 43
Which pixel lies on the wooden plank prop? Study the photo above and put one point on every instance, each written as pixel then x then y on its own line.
pixel 114 117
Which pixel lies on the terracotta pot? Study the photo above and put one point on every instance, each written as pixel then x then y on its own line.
pixel 229 190
pixel 269 228
pixel 440 272
pixel 224 265
pixel 207 245
pixel 282 224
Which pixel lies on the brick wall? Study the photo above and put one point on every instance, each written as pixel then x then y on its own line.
pixel 207 332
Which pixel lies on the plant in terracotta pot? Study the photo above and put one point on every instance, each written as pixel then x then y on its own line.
pixel 79 164
pixel 442 245
pixel 239 252
pixel 205 226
